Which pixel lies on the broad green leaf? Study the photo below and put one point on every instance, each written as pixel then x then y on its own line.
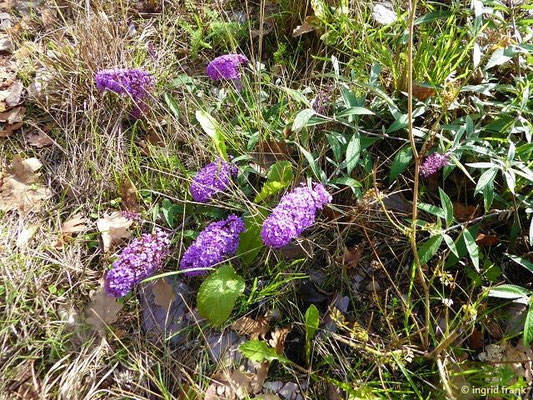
pixel 528 327
pixel 510 178
pixel 355 111
pixel 451 245
pixel 401 161
pixel 446 206
pixel 432 16
pixel 172 104
pixel 399 123
pixel 472 248
pixel 250 242
pixel 500 56
pixel 522 261
pixel 352 152
pixel 297 96
pixel 510 292
pixel 312 163
pixel 429 248
pixel 485 179
pixel 301 119
pixel 257 350
pixel 218 293
pixel 431 209
pixel 488 196
pixel 312 320
pixel 210 126
pixel 346 180
pixel 335 145
pixel 461 246
pixel 279 177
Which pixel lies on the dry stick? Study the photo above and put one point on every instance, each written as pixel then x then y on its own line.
pixel 412 233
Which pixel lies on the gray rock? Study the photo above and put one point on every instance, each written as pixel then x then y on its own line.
pixel 288 390
pixel 5 45
pixel 273 386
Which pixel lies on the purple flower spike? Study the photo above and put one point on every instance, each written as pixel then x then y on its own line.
pixel 213 178
pixel 218 241
pixel 295 213
pixel 226 67
pixel 140 259
pixel 128 81
pixel 433 163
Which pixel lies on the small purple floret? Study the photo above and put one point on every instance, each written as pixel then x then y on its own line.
pixel 213 178
pixel 218 241
pixel 433 163
pixel 127 81
pixel 140 259
pixel 295 213
pixel 226 67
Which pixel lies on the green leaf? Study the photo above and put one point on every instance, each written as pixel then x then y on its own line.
pixel 355 111
pixel 528 327
pixel 352 152
pixel 451 245
pixel 431 209
pixel 500 56
pixel 172 104
pixel 279 177
pixel 312 320
pixel 335 144
pixel 218 293
pixel 429 248
pixel 250 242
pixel 432 16
pixel 401 161
pixel 312 163
pixel 510 292
pixel 301 119
pixel 488 196
pixel 522 261
pixel 531 232
pixel 211 127
pixel 461 246
pixel 399 123
pixel 485 179
pixel 258 351
pixel 472 248
pixel 446 206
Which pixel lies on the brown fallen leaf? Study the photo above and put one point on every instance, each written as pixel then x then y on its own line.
pixel 163 293
pixel 15 94
pixel 255 328
pixel 102 310
pixel 261 373
pixel 9 129
pixel 39 139
pixel 13 115
pixel 422 92
pixel 114 228
pixel 475 340
pixel 73 225
pixel 19 190
pixel 464 213
pixel 278 339
pixel 351 256
pixel 229 385
pixel 486 240
pixel 128 194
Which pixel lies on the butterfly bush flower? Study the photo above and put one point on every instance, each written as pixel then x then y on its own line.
pixel 433 163
pixel 227 67
pixel 295 213
pixel 218 241
pixel 213 178
pixel 127 81
pixel 140 259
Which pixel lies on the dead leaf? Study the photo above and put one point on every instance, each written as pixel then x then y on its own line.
pixel 75 224
pixel 25 235
pixel 15 93
pixel 475 340
pixel 278 339
pixel 255 328
pixel 128 193
pixel 9 129
pixel 464 213
pixel 114 228
pixel 47 17
pixel 39 139
pixel 163 293
pixel 486 240
pixel 25 384
pixel 229 385
pixel 310 24
pixel 102 310
pixel 13 115
pixel 18 189
pixel 261 373
pixel 351 256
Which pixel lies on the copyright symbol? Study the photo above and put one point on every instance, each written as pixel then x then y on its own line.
pixel 465 389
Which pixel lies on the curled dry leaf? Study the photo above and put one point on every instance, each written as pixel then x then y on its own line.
pixel 278 339
pixel 128 193
pixel 114 228
pixel 310 24
pixel 14 97
pixel 102 310
pixel 255 328
pixel 13 115
pixel 351 256
pixel 486 240
pixel 39 139
pixel 17 188
pixel 464 213
pixel 229 385
pixel 163 293
pixel 73 225
pixel 9 129
pixel 422 92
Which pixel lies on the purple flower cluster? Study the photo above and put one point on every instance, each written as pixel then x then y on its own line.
pixel 140 259
pixel 131 215
pixel 133 82
pixel 215 243
pixel 226 67
pixel 213 178
pixel 295 213
pixel 433 163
